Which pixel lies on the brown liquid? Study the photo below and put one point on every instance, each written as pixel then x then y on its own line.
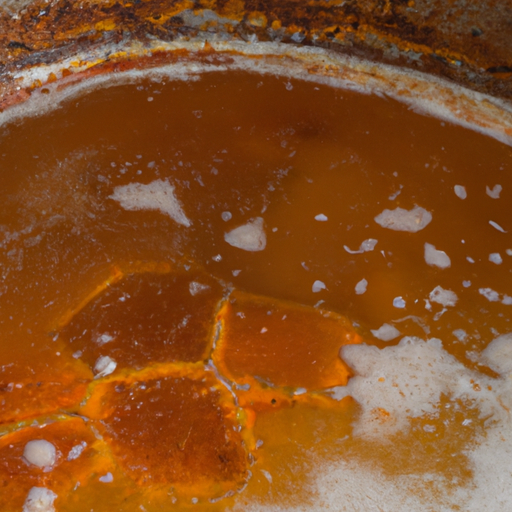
pixel 253 147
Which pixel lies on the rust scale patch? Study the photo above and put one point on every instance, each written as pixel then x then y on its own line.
pixel 469 46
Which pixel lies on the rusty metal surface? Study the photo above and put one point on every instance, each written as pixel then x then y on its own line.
pixel 467 42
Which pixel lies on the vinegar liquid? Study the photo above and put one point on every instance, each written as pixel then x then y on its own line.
pixel 184 266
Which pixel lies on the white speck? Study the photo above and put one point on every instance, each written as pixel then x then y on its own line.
pixel 194 501
pixel 361 286
pixel 466 422
pixel 263 330
pixel 40 453
pixel 267 475
pixel 429 428
pixel 274 230
pixel 509 252
pixel 366 246
pixel 77 354
pixel 460 334
pixel 507 300
pixel 217 258
pixel 104 366
pixel 150 98
pixel 195 288
pixel 104 338
pixel 466 284
pixel 226 216
pixel 404 220
pixel 321 217
pixel 494 192
pixel 106 479
pixel 470 259
pixel 393 196
pixel 495 257
pixel 197 113
pixel 386 332
pixel 288 85
pixel 496 226
pixel 236 272
pixel 248 237
pixel 489 294
pixel 435 257
pixel 318 286
pixel 460 191
pixel 39 499
pixel 77 450
pixel 157 195
pixel 399 302
pixel 443 297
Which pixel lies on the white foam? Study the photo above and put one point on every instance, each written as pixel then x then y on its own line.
pixel 366 246
pixel 157 195
pixel 400 219
pixel 40 453
pixel 39 499
pixel 435 257
pixel 361 286
pixel 249 237
pixel 196 288
pixel 104 366
pixel 460 191
pixel 498 354
pixel 443 297
pixel 494 192
pixel 318 286
pixel 386 332
pixel 495 257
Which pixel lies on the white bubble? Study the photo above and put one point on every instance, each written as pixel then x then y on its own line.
pixel 460 191
pixel 248 237
pixel 435 257
pixel 404 220
pixel 318 286
pixel 39 499
pixel 40 453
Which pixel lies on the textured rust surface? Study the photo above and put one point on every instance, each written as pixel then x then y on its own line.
pixel 468 42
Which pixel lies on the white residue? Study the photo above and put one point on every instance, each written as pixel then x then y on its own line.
pixel 404 220
pixel 460 334
pixel 495 225
pixel 157 195
pixel 366 246
pixel 460 191
pixel 443 297
pixel 435 257
pixel 495 257
pixel 226 216
pixel 40 453
pixel 493 296
pixel 236 272
pixel 509 252
pixel 386 332
pixel 104 338
pixel 104 366
pixel 77 450
pixel 249 237
pixel 106 479
pixel 399 302
pixel 196 288
pixel 321 217
pixel 494 192
pixel 318 286
pixel 466 283
pixel 361 286
pixel 39 499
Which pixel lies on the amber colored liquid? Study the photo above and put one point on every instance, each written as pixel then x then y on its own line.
pixel 254 147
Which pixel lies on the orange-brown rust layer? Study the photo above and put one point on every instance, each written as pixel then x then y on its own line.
pixel 53 385
pixel 89 460
pixel 146 318
pixel 281 344
pixel 469 45
pixel 179 428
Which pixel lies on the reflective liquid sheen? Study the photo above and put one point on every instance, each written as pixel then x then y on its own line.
pixel 181 264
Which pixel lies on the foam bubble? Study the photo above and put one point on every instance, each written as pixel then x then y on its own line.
pixel 157 195
pixel 39 499
pixel 460 191
pixel 443 297
pixel 249 237
pixel 400 219
pixel 435 257
pixel 386 332
pixel 40 453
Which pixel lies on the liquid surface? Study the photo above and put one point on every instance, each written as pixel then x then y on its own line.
pixel 181 264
